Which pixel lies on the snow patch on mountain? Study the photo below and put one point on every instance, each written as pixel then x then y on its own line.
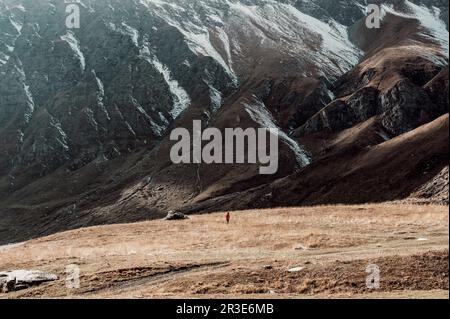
pixel 60 136
pixel 72 41
pixel 223 36
pixel 30 103
pixel 180 97
pixel 101 95
pixel 100 86
pixel 284 27
pixel 429 19
pixel 227 29
pixel 196 34
pixel 132 32
pixel 261 115
pixel 17 25
pixel 11 38
pixel 3 58
pixel 216 98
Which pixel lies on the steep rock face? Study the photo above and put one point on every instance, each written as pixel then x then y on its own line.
pixel 437 89
pixel 134 66
pixel 405 107
pixel 102 89
pixel 342 114
pixel 436 190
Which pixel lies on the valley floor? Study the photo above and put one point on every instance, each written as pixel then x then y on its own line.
pixel 203 257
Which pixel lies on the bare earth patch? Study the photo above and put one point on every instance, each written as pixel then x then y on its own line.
pixel 202 257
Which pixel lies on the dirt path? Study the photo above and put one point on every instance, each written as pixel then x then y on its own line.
pixel 123 287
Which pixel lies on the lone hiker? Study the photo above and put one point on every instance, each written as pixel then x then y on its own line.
pixel 227 217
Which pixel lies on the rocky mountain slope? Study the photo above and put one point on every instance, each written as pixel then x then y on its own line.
pixel 85 113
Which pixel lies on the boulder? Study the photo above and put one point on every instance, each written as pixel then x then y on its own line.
pixel 22 279
pixel 296 269
pixel 175 216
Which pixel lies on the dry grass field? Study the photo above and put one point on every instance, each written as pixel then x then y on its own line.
pixel 203 257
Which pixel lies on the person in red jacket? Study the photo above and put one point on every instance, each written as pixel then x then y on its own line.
pixel 228 217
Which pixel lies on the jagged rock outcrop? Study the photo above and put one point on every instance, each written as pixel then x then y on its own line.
pixel 343 113
pixel 436 190
pixel 405 107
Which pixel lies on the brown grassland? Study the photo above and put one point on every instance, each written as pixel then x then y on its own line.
pixel 203 257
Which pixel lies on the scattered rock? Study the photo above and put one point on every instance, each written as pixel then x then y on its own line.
pixel 296 269
pixel 23 279
pixel 301 247
pixel 422 239
pixel 268 267
pixel 175 216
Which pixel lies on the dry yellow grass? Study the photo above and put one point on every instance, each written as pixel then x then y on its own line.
pixel 203 256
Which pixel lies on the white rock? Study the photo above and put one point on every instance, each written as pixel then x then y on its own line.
pixel 22 279
pixel 296 269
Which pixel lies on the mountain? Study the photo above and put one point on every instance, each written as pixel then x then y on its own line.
pixel 85 113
